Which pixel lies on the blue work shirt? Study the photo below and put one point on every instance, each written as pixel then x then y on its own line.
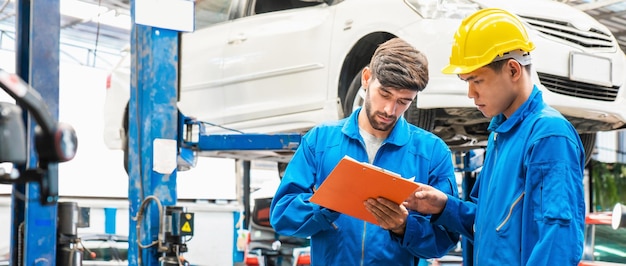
pixel 527 206
pixel 338 239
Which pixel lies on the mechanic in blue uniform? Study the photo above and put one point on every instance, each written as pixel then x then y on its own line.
pixel 527 206
pixel 376 133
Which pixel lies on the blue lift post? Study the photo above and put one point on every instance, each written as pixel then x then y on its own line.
pixel 153 120
pixel 153 116
pixel 468 162
pixel 37 63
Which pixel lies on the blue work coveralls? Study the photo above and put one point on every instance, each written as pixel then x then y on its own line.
pixel 527 206
pixel 338 239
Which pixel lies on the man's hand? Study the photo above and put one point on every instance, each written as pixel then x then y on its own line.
pixel 427 200
pixel 390 216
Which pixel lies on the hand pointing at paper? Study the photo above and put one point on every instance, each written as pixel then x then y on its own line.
pixel 426 200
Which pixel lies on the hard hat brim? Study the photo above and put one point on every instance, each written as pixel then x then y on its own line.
pixel 454 69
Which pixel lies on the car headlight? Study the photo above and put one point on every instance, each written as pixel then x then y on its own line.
pixel 436 9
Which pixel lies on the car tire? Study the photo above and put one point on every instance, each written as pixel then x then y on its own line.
pixel 281 167
pixel 423 118
pixel 589 143
pixel 125 139
pixel 353 99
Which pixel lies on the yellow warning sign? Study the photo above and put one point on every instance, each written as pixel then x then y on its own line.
pixel 186 227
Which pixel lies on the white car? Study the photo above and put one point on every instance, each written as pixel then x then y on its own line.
pixel 263 66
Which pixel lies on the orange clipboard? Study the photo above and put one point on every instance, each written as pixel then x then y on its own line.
pixel 352 182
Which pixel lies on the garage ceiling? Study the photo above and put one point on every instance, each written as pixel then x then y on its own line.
pixel 87 42
pixel 83 39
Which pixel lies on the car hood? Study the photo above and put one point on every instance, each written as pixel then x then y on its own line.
pixel 546 9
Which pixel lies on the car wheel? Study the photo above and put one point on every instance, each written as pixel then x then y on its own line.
pixel 281 167
pixel 589 143
pixel 354 97
pixel 125 139
pixel 424 118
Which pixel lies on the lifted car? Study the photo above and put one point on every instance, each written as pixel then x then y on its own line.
pixel 267 66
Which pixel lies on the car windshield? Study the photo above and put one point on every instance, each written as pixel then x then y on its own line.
pixel 610 245
pixel 211 12
pixel 438 9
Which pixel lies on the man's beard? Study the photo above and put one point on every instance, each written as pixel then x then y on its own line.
pixel 371 116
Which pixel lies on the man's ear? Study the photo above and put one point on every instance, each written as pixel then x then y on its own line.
pixel 515 68
pixel 366 74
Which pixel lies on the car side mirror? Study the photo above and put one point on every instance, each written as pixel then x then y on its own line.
pixel 618 218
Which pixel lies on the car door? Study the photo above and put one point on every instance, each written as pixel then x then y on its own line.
pixel 201 59
pixel 276 60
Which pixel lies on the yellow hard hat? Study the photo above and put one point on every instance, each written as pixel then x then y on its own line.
pixel 483 36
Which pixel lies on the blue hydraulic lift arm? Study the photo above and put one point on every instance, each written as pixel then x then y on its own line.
pixel 204 141
pixel 194 140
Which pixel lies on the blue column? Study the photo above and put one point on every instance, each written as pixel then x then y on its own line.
pixel 237 255
pixel 37 62
pixel 152 116
pixel 110 217
pixel 469 179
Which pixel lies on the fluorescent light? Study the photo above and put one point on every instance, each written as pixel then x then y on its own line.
pixel 81 10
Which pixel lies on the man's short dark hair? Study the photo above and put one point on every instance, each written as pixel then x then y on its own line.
pixel 497 66
pixel 397 64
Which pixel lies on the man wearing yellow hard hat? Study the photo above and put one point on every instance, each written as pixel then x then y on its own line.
pixel 527 206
